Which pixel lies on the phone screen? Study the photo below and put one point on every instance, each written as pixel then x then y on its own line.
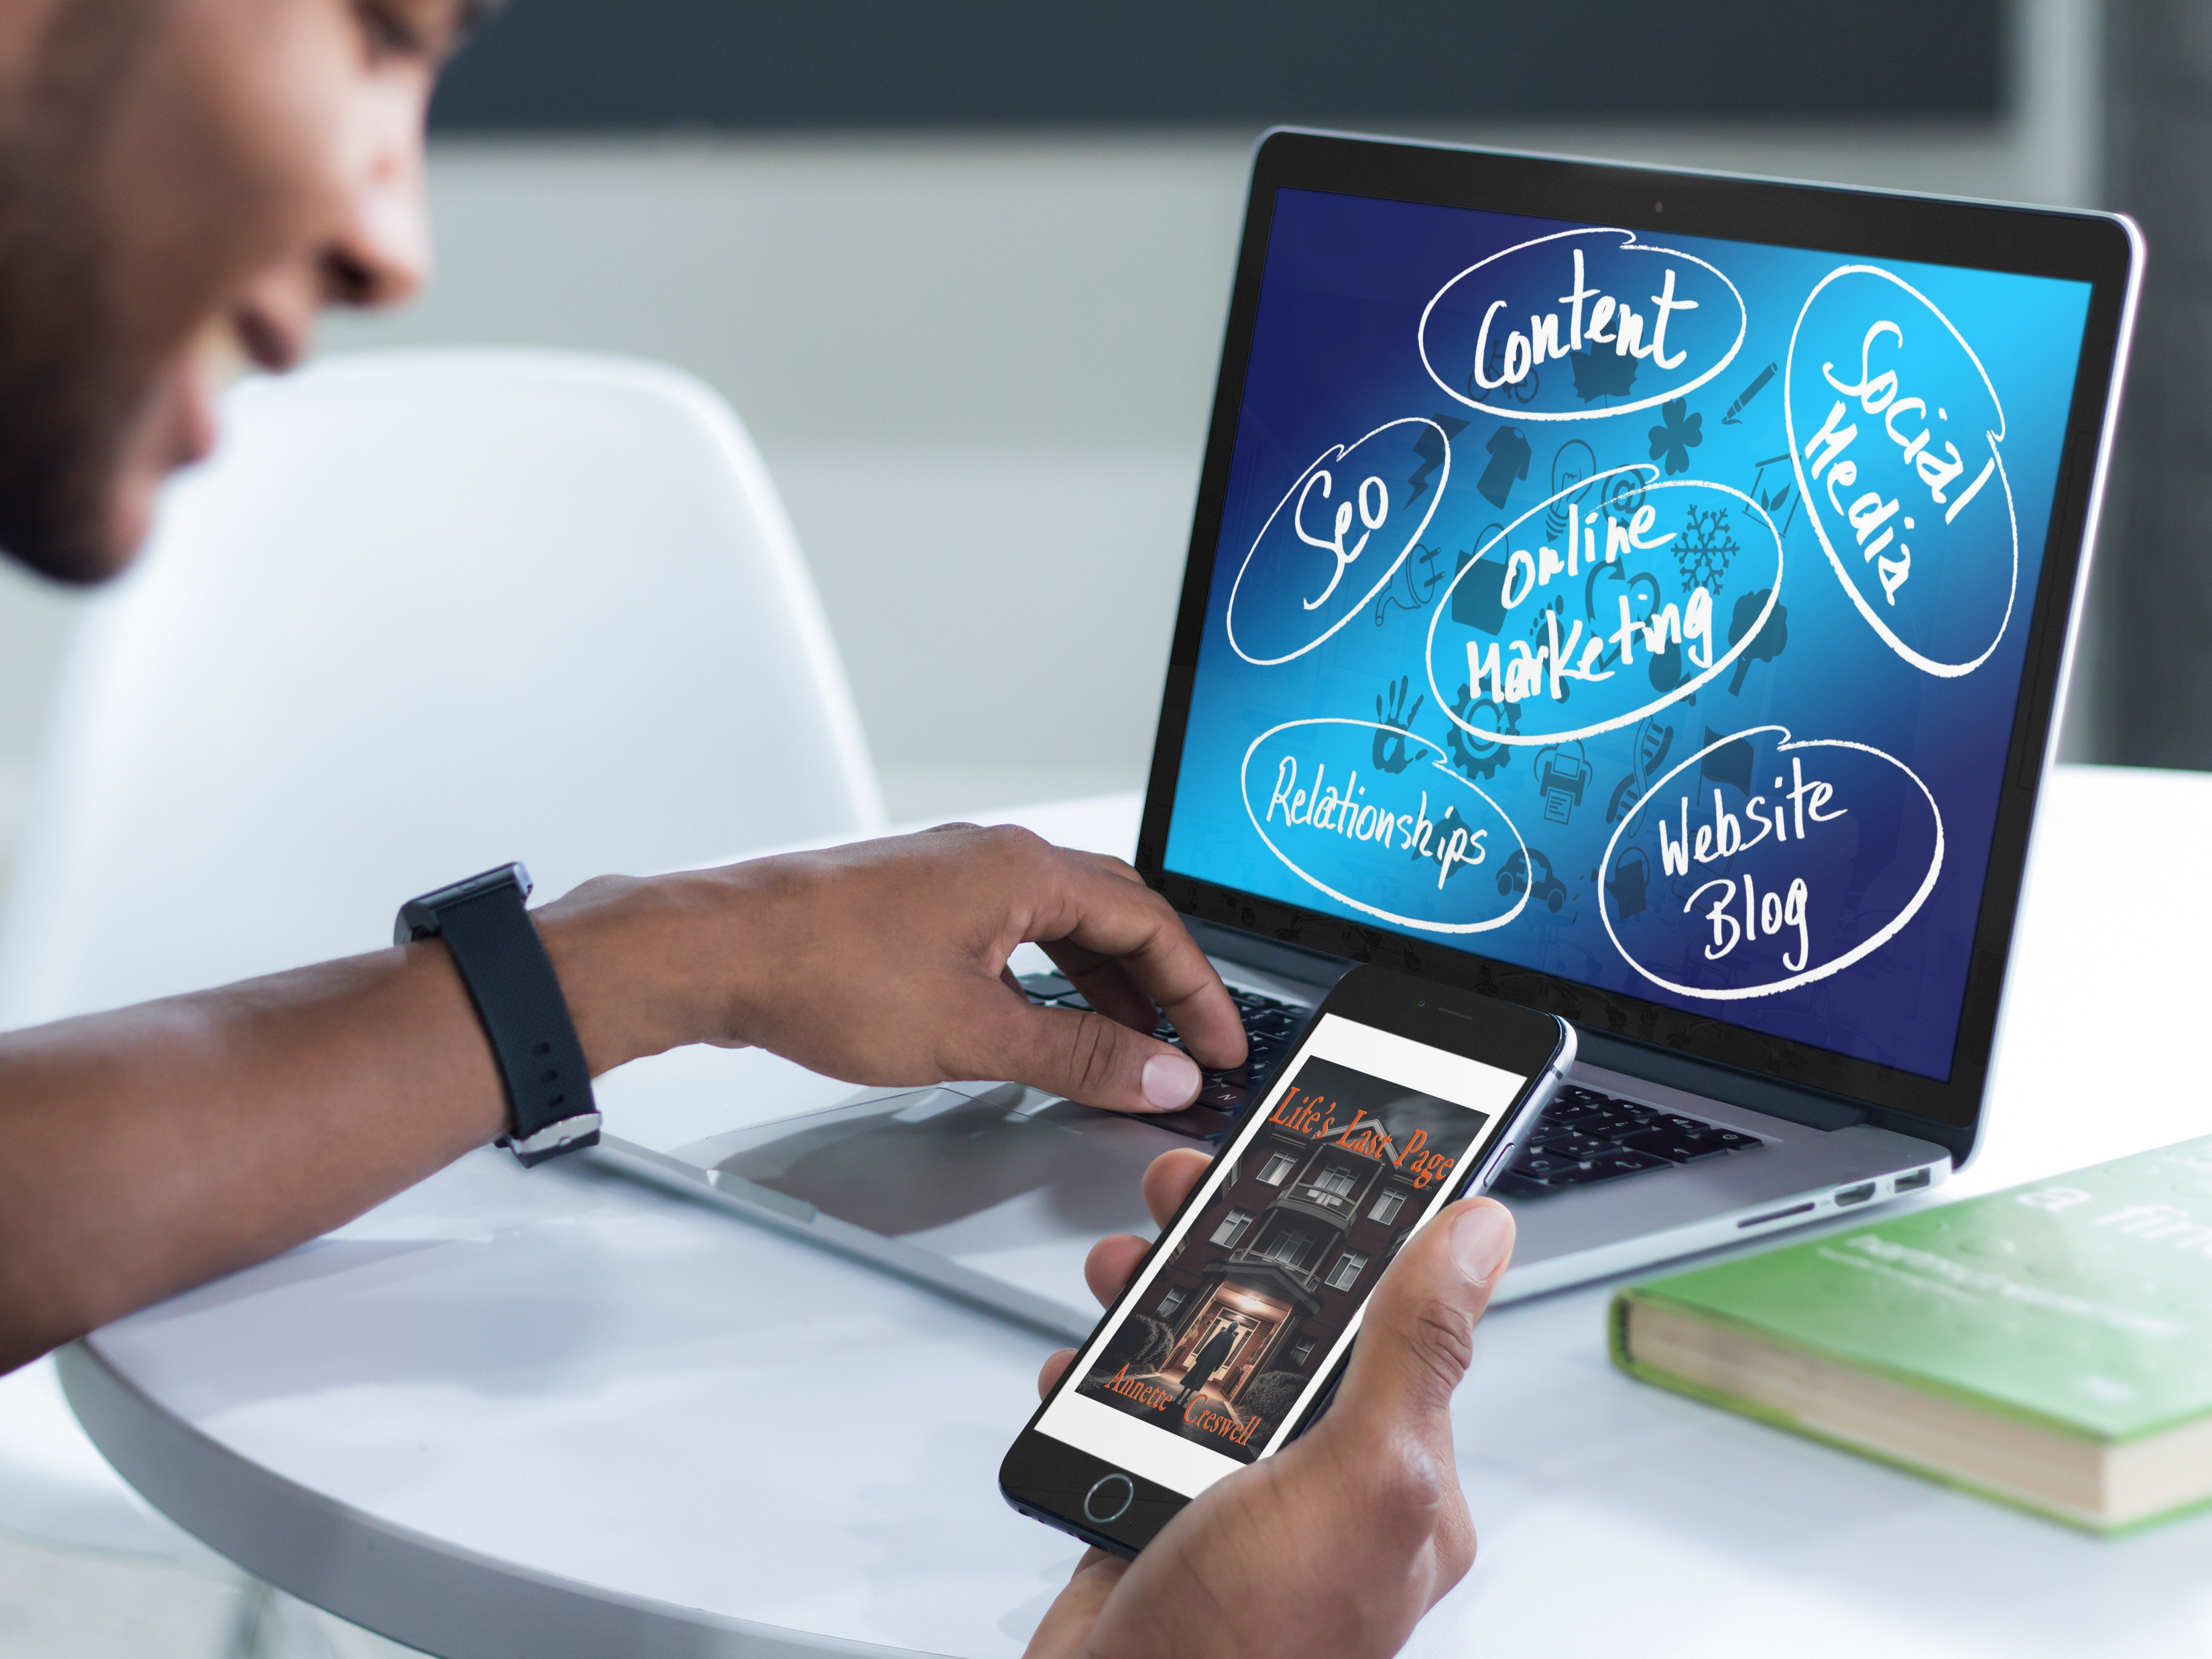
pixel 1239 1318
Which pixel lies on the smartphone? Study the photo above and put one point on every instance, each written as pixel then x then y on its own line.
pixel 1231 1337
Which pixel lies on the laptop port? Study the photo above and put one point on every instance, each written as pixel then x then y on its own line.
pixel 1913 1183
pixel 1858 1195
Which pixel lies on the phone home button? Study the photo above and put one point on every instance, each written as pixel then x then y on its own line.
pixel 1108 1498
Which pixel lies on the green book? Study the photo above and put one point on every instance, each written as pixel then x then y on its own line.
pixel 2049 1347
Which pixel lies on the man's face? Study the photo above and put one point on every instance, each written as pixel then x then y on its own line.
pixel 184 184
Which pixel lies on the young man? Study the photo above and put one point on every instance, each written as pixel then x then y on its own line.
pixel 187 183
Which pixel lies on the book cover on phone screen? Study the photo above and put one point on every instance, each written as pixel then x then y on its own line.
pixel 2050 1345
pixel 1274 1268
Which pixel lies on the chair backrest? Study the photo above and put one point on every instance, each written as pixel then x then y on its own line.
pixel 423 613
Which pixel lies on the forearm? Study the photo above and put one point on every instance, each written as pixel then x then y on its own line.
pixel 147 1150
pixel 154 1147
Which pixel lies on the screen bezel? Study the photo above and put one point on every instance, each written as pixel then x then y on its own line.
pixel 1044 1477
pixel 2100 250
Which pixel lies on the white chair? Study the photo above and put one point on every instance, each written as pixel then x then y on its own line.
pixel 423 613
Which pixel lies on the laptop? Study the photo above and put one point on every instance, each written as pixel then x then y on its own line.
pixel 1640 595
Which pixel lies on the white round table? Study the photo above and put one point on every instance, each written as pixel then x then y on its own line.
pixel 554 1414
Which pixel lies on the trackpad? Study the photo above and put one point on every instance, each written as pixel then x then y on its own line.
pixel 1003 1179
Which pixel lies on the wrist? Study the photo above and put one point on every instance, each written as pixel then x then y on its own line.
pixel 645 964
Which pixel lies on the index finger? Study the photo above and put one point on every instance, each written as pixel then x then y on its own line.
pixel 1112 916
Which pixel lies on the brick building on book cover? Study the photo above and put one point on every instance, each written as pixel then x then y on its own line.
pixel 1311 1214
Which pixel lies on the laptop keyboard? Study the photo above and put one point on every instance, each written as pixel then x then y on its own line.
pixel 1585 1136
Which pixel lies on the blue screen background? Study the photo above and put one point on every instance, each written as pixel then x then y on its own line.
pixel 1875 729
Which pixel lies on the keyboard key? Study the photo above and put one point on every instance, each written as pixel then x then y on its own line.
pixel 1676 1146
pixel 1045 987
pixel 1606 1167
pixel 1544 1166
pixel 1733 1142
pixel 1568 1111
pixel 1222 1097
pixel 1567 1143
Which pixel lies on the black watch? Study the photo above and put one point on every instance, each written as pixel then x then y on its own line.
pixel 510 980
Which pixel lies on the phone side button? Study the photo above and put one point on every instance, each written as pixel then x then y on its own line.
pixel 1108 1498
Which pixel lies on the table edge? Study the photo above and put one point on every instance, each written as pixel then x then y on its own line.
pixel 444 1599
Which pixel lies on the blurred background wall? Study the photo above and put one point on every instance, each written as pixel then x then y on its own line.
pixel 963 269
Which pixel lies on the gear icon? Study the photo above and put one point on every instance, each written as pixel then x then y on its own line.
pixel 1470 753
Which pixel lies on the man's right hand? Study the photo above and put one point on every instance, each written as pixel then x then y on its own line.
pixel 885 963
pixel 1338 1543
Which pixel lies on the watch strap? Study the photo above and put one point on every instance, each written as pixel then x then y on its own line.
pixel 518 998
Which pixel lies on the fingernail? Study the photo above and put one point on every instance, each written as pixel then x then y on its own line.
pixel 1481 1240
pixel 1171 1080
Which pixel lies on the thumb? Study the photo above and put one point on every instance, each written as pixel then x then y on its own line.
pixel 1088 1058
pixel 1418 1336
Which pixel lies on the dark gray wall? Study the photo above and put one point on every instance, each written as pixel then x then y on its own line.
pixel 2152 609
pixel 566 64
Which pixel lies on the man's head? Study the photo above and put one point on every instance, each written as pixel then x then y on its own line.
pixel 184 184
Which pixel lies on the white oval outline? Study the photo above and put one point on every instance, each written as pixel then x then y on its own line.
pixel 1927 665
pixel 1631 246
pixel 1332 453
pixel 1438 610
pixel 1742 993
pixel 1244 789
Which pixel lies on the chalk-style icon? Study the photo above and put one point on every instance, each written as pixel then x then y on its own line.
pixel 1602 375
pixel 1757 385
pixel 1726 762
pixel 1509 454
pixel 1573 459
pixel 1654 743
pixel 1562 775
pixel 1678 433
pixel 1470 754
pixel 1433 449
pixel 1415 584
pixel 1767 645
pixel 1479 602
pixel 1390 748
pixel 1632 880
pixel 1783 495
pixel 1530 872
pixel 1704 547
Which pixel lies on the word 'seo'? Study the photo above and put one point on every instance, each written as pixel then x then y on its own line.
pixel 1793 858
pixel 1336 538
pixel 1375 816
pixel 1597 628
pixel 1581 324
pixel 1894 430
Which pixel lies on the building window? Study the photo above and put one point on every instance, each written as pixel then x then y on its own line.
pixel 1290 1246
pixel 1232 1226
pixel 1336 1178
pixel 1278 1169
pixel 1346 1274
pixel 1171 1302
pixel 1301 1352
pixel 1387 1206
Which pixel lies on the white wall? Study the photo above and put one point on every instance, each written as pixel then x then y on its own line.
pixel 980 368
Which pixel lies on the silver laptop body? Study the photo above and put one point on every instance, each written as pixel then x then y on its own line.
pixel 1713 1119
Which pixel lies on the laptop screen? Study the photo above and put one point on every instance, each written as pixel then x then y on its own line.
pixel 1646 610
